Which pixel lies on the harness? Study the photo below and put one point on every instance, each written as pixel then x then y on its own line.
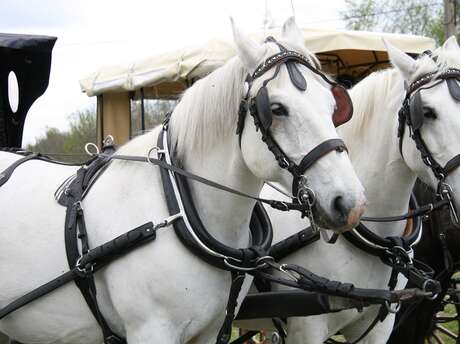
pixel 184 216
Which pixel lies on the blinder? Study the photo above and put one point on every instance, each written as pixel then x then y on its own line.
pixel 262 101
pixel 343 105
pixel 416 111
pixel 454 88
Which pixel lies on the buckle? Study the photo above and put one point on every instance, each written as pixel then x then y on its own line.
pixel 86 270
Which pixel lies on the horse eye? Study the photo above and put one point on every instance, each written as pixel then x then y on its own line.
pixel 278 109
pixel 429 113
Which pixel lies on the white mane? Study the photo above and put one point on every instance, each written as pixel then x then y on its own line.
pixel 207 112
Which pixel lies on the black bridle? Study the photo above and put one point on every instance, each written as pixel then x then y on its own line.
pixel 411 114
pixel 260 110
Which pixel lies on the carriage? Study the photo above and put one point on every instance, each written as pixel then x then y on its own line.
pixel 124 94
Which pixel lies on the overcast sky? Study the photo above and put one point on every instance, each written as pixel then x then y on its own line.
pixel 97 33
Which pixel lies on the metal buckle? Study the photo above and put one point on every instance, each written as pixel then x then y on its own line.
pixel 445 192
pixel 85 271
pixel 283 269
pixel 158 151
pixel 392 310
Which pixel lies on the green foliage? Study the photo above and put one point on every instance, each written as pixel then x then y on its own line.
pixel 69 145
pixel 417 17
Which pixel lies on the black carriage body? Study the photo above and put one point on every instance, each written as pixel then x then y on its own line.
pixel 29 58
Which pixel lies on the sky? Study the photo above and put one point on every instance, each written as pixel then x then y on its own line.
pixel 98 33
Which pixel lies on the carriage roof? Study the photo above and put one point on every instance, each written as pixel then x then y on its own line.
pixel 342 53
pixel 348 55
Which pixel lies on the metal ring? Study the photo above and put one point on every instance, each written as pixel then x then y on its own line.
pixel 433 296
pixel 235 267
pixel 264 261
pixel 109 140
pixel 88 151
pixel 154 149
pixel 310 200
pixel 392 310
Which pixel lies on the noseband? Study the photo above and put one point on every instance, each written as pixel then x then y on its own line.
pixel 412 114
pixel 260 110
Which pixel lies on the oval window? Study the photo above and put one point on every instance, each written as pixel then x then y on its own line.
pixel 13 91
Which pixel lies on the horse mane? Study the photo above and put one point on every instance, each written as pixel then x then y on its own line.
pixel 207 112
pixel 372 94
pixel 369 97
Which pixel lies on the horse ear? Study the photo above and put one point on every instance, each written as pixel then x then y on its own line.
pixel 451 44
pixel 292 34
pixel 249 51
pixel 403 62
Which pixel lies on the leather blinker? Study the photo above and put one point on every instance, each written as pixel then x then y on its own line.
pixel 263 108
pixel 454 88
pixel 343 105
pixel 416 111
pixel 296 76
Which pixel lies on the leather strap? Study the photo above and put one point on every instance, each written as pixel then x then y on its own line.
pixel 6 174
pixel 225 331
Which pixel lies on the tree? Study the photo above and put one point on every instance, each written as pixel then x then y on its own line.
pixel 418 17
pixel 69 145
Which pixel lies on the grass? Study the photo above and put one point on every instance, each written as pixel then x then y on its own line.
pixel 451 326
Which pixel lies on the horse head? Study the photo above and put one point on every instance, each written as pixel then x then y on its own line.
pixel 294 109
pixel 429 121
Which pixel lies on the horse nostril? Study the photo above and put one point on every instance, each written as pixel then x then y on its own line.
pixel 339 205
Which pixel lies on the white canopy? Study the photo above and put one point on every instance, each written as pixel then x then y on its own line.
pixel 353 53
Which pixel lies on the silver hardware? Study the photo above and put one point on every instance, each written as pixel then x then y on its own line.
pixel 88 150
pixel 264 261
pixel 84 270
pixel 446 193
pixel 168 221
pixel 433 296
pixel 392 310
pixel 236 267
pixel 108 141
pixel 291 275
pixel 275 338
pixel 154 149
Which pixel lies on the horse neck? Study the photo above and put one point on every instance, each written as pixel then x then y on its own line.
pixel 225 215
pixel 376 158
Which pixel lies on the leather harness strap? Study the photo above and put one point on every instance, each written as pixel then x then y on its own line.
pixel 6 174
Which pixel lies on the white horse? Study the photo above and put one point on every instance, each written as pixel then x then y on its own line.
pixel 388 179
pixel 161 292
